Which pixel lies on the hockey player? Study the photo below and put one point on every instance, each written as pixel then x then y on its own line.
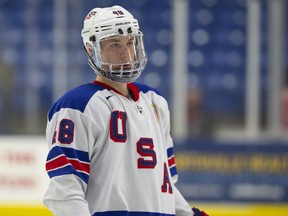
pixel 110 150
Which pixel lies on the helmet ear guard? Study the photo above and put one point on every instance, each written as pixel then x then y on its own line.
pixel 113 22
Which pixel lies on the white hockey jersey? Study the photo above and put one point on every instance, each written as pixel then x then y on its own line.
pixel 111 155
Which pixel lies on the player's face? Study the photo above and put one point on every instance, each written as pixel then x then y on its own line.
pixel 118 50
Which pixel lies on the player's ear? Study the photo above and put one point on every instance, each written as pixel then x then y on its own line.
pixel 89 49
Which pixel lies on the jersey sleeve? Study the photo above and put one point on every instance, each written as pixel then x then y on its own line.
pixel 70 139
pixel 165 116
pixel 181 205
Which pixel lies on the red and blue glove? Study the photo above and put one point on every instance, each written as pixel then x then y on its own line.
pixel 197 212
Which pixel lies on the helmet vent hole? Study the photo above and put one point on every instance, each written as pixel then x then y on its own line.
pixel 120 31
pixel 92 38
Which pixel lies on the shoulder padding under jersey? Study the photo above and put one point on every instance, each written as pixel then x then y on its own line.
pixel 76 98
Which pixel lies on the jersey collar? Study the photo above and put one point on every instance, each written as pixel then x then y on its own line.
pixel 131 86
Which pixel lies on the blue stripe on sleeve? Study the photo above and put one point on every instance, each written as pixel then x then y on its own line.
pixel 173 171
pixel 170 152
pixel 66 171
pixel 69 152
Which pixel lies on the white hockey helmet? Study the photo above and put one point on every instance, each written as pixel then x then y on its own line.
pixel 102 24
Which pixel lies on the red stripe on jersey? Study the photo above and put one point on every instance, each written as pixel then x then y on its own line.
pixel 80 166
pixel 171 161
pixel 62 161
pixel 134 90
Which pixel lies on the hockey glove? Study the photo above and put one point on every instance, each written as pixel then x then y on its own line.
pixel 197 212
